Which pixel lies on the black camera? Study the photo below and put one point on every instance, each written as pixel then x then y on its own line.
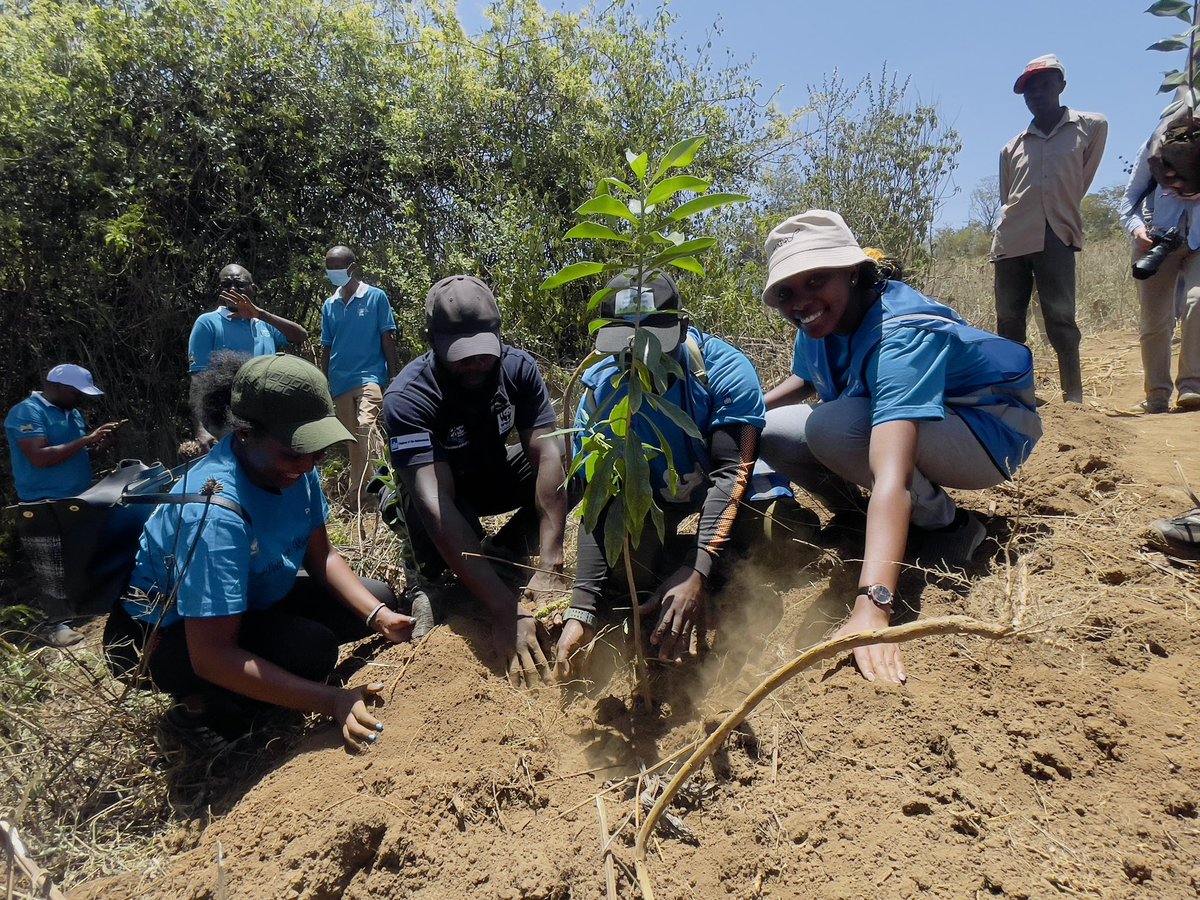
pixel 1162 244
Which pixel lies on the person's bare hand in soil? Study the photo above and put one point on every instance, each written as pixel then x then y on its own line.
pixel 545 587
pixel 518 644
pixel 394 626
pixel 874 661
pixel 359 727
pixel 684 601
pixel 574 638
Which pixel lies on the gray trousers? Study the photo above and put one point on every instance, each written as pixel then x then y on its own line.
pixel 1157 324
pixel 825 450
pixel 1053 270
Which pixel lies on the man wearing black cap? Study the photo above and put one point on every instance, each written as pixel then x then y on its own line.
pixel 1045 171
pixel 449 415
pixel 720 392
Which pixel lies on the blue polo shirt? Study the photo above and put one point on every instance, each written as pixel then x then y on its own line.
pixel 732 396
pixel 918 360
pixel 220 330
pixel 351 332
pixel 238 565
pixel 34 417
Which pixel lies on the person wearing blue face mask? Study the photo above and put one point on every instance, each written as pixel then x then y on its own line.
pixel 358 340
pixel 238 325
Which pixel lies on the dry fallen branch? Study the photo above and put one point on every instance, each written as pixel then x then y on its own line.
pixel 610 872
pixel 14 850
pixel 813 655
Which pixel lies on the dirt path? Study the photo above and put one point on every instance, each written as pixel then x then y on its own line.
pixel 1069 764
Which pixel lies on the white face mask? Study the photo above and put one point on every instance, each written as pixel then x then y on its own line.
pixel 338 277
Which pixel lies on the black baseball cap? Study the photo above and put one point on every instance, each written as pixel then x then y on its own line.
pixel 462 318
pixel 657 309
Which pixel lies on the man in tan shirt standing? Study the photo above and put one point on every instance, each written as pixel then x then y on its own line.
pixel 1045 171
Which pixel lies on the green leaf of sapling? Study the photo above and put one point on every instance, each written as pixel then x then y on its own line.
pixel 708 201
pixel 638 163
pixel 1172 81
pixel 688 264
pixel 669 187
pixel 1181 9
pixel 570 273
pixel 595 231
pixel 614 532
pixel 674 413
pixel 619 185
pixel 680 155
pixel 605 206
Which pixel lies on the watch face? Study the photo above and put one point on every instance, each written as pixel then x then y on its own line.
pixel 880 596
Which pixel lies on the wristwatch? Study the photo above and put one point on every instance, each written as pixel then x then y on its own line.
pixel 880 596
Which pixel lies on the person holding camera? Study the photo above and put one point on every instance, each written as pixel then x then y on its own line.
pixel 1045 171
pixel 239 325
pixel 1165 226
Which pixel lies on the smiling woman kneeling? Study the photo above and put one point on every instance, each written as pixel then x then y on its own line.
pixel 913 399
pixel 240 626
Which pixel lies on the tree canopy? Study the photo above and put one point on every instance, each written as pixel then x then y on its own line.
pixel 144 144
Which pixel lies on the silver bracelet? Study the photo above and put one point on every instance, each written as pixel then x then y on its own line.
pixel 374 613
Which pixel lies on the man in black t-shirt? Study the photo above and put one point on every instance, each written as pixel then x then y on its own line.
pixel 449 414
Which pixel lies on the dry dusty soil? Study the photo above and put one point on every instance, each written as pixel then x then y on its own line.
pixel 1064 763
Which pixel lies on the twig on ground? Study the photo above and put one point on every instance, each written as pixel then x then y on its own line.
pixel 221 889
pixel 39 880
pixel 407 663
pixel 610 873
pixel 808 658
pixel 775 754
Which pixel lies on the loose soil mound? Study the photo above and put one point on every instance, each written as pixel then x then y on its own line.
pixel 1064 763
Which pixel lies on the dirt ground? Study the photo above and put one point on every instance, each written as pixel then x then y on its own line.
pixel 1067 762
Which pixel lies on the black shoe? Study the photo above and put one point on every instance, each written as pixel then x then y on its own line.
pixel 846 524
pixel 949 547
pixel 421 607
pixel 1181 534
pixel 180 729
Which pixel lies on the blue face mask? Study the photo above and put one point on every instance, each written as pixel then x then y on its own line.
pixel 338 277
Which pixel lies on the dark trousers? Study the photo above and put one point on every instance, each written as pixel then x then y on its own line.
pixel 1053 270
pixel 301 633
pixel 598 589
pixel 512 488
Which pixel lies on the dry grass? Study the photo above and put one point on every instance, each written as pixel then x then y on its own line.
pixel 79 773
pixel 1105 297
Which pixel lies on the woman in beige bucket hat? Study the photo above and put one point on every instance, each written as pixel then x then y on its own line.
pixel 911 398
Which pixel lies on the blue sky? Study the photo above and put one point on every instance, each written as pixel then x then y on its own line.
pixel 962 56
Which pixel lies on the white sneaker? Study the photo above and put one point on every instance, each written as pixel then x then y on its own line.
pixel 61 635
